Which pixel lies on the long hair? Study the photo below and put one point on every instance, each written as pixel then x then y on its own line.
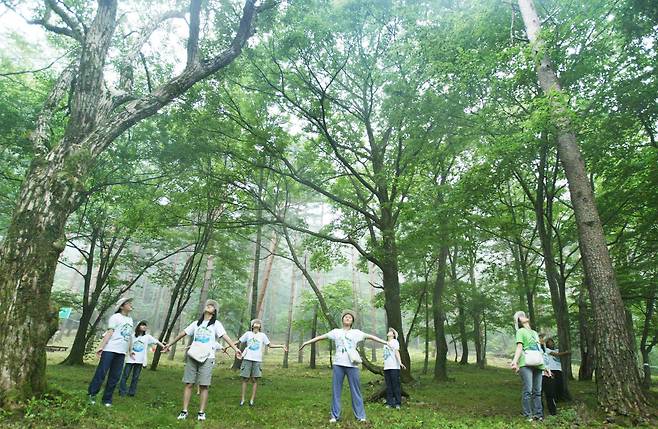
pixel 210 322
pixel 139 333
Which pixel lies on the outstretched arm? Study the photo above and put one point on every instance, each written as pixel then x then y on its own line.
pixel 230 342
pixel 175 340
pixel 314 340
pixel 377 339
pixel 278 346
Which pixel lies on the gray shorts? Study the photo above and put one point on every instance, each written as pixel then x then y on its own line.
pixel 198 373
pixel 250 369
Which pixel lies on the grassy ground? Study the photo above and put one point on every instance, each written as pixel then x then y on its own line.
pixel 294 398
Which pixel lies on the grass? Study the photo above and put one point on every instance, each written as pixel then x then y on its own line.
pixel 296 397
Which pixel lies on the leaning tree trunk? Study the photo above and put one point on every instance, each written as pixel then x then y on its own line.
pixel 618 380
pixel 55 182
pixel 314 333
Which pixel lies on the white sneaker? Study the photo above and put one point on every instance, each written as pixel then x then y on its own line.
pixel 362 420
pixel 333 420
pixel 201 416
pixel 107 404
pixel 182 415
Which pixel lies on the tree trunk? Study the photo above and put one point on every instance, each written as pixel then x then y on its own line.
pixel 291 305
pixel 647 343
pixel 266 275
pixel 314 333
pixel 440 364
pixel 300 353
pixel 587 348
pixel 618 381
pixel 427 329
pixel 391 284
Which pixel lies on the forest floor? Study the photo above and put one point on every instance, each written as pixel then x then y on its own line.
pixel 297 397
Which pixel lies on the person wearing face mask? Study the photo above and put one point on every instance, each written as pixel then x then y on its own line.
pixel 346 364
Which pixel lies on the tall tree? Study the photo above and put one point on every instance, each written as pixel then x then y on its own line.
pixel 619 388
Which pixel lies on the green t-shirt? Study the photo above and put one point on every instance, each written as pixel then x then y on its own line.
pixel 530 341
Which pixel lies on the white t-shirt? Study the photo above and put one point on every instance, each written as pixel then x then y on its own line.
pixel 206 334
pixel 256 343
pixel 390 359
pixel 122 327
pixel 553 362
pixel 140 348
pixel 345 339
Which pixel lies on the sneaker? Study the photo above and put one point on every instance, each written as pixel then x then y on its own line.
pixel 251 403
pixel 529 419
pixel 107 404
pixel 362 420
pixel 397 407
pixel 182 415
pixel 333 420
pixel 388 406
pixel 91 399
pixel 201 416
pixel 241 403
pixel 539 419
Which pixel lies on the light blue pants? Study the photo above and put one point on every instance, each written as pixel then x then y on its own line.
pixel 354 381
pixel 531 396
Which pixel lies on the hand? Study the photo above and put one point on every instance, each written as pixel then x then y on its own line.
pixel 99 352
pixel 548 373
pixel 285 349
pixel 402 366
pixel 166 348
pixel 238 354
pixel 515 366
pixel 132 355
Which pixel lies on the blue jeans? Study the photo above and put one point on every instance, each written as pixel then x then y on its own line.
pixel 393 389
pixel 136 369
pixel 354 381
pixel 110 362
pixel 531 396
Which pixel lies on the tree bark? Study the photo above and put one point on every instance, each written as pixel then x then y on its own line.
pixel 314 333
pixel 440 364
pixel 618 380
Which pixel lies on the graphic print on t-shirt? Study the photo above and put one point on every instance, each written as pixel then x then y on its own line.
pixel 126 331
pixel 253 344
pixel 203 334
pixel 138 346
pixel 387 352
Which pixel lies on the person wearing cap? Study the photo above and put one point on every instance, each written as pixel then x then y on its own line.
pixel 527 344
pixel 392 365
pixel 200 356
pixel 136 360
pixel 346 363
pixel 116 343
pixel 252 357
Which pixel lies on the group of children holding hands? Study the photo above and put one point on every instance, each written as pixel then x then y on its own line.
pixel 123 344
